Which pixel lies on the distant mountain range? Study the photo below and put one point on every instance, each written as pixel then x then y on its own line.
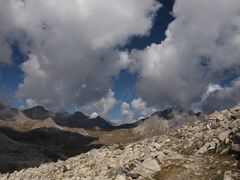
pixel 44 136
pixel 80 120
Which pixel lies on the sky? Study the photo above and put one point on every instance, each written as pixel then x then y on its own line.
pixel 122 60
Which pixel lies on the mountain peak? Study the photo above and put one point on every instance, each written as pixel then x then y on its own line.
pixel 37 112
pixel 79 115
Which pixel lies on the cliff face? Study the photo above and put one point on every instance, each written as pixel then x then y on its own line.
pixel 206 149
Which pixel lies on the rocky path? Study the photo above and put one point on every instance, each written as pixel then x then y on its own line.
pixel 204 150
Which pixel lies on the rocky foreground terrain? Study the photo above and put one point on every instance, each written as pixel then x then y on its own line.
pixel 207 149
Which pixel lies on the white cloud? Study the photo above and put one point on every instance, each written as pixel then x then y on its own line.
pixel 71 43
pixel 126 112
pixel 30 103
pixel 105 104
pixel 202 44
pixel 94 115
pixel 140 106
pixel 137 110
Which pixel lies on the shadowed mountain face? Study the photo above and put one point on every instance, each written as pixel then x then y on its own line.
pixel 79 120
pixel 69 141
pixel 75 120
pixel 38 113
pixel 30 149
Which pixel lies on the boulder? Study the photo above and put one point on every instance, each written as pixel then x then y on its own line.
pixel 157 146
pixel 161 157
pixel 207 147
pixel 223 136
pixel 173 155
pixel 149 168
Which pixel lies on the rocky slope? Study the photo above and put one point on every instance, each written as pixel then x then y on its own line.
pixel 207 149
pixel 26 142
pixel 164 121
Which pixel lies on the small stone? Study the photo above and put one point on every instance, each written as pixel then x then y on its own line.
pixel 227 140
pixel 224 151
pixel 235 164
pixel 199 144
pixel 168 140
pixel 117 152
pixel 226 162
pixel 157 146
pixel 208 126
pixel 228 175
pixel 197 174
pixel 153 149
pixel 133 174
pixel 220 117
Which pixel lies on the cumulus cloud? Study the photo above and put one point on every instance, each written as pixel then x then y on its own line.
pixel 141 108
pixel 71 45
pixel 201 48
pixel 126 111
pixel 30 102
pixel 105 104
pixel 137 110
